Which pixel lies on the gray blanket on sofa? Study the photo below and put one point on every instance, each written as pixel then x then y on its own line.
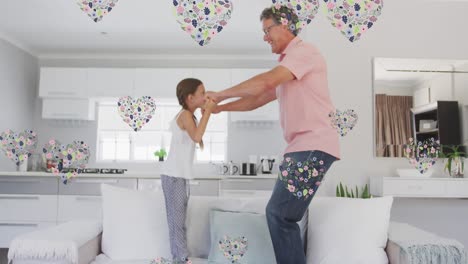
pixel 422 247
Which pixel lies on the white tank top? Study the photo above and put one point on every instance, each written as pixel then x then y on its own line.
pixel 179 161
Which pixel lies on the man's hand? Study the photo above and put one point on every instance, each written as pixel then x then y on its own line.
pixel 215 96
pixel 216 110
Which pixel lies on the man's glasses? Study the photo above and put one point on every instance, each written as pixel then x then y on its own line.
pixel 267 29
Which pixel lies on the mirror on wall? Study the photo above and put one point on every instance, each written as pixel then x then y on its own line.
pixel 402 87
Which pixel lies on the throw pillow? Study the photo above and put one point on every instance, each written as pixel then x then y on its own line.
pixel 240 238
pixel 346 230
pixel 134 224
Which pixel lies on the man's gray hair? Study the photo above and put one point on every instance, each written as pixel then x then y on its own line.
pixel 278 14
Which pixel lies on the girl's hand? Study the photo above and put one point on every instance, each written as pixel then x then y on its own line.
pixel 209 105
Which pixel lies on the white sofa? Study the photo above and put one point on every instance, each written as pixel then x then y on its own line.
pixel 86 241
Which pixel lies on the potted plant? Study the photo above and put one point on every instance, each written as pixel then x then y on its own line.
pixel 455 164
pixel 161 154
pixel 343 192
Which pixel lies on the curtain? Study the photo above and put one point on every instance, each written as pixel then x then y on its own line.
pixel 393 124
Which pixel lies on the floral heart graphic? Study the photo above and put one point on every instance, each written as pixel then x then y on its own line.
pixel 304 9
pixel 344 121
pixel 136 112
pixel 70 156
pixel 422 164
pixel 96 9
pixel 233 249
pixel 353 17
pixel 202 20
pixel 423 154
pixel 18 146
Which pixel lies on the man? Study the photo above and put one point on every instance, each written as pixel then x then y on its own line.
pixel 299 82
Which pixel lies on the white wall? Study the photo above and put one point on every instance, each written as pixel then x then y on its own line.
pixel 406 29
pixel 18 82
pixel 442 87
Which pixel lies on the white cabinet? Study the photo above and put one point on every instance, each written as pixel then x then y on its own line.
pixel 268 112
pixel 197 187
pixel 246 187
pixel 9 230
pixel 24 207
pixel 71 109
pixel 159 83
pixel 419 187
pixel 111 82
pixel 204 187
pixel 71 207
pixel 26 204
pixel 63 82
pixel 213 79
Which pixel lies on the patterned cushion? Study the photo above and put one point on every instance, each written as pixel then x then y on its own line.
pixel 240 238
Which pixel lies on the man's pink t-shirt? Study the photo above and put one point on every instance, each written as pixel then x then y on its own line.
pixel 305 102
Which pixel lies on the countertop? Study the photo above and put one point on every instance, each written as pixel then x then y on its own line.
pixel 131 175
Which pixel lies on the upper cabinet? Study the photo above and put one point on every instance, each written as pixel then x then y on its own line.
pixel 268 112
pixel 63 83
pixel 87 83
pixel 68 109
pixel 159 82
pixel 213 79
pixel 111 82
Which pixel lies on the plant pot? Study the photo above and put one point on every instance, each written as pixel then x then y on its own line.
pixel 457 167
pixel 161 158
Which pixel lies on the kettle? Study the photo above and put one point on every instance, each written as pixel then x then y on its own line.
pixel 267 165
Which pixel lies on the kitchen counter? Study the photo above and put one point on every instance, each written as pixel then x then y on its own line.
pixel 131 175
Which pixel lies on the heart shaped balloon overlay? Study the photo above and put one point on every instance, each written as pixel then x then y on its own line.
pixel 96 9
pixel 343 121
pixel 304 9
pixel 136 112
pixel 353 18
pixel 70 158
pixel 202 20
pixel 422 154
pixel 18 146
pixel 233 248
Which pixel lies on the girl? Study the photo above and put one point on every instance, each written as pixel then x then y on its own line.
pixel 178 167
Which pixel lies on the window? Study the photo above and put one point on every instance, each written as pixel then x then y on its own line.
pixel 118 142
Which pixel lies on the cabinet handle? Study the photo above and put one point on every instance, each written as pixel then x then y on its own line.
pixel 227 192
pixel 415 187
pixel 96 181
pixel 19 197
pixel 60 93
pixel 237 180
pixel 65 114
pixel 88 199
pixel 16 224
pixel 20 181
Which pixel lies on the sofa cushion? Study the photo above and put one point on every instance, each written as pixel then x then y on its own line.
pixel 134 224
pixel 240 237
pixel 198 218
pixel 345 230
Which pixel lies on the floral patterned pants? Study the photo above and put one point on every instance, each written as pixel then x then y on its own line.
pixel 300 176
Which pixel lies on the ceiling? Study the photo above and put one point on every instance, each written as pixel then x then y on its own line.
pixel 51 27
pixel 410 72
